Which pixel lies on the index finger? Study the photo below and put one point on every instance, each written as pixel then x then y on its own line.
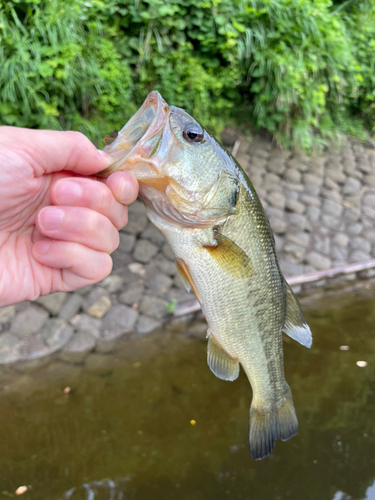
pixel 50 151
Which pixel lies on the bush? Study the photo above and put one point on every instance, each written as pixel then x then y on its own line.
pixel 297 68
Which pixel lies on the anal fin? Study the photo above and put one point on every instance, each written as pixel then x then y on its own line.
pixel 220 363
pixel 295 325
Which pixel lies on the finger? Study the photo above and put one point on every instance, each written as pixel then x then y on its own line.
pixel 123 186
pixel 51 151
pixel 77 261
pixel 79 225
pixel 89 193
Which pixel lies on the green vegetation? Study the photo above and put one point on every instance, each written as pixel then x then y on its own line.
pixel 301 69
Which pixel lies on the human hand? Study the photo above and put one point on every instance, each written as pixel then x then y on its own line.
pixel 57 224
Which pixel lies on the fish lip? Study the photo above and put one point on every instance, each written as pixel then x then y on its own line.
pixel 128 148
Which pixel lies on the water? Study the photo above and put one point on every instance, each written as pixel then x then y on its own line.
pixel 125 430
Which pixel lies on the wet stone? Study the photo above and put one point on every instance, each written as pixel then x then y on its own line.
pixel 312 179
pixel 86 323
pixel 276 199
pixel 298 164
pixel 10 347
pixel 137 218
pixel 318 261
pixel 119 320
pixel 29 321
pixel 369 200
pixel 335 175
pixel 53 302
pixel 71 307
pixel 278 226
pixel 351 215
pixel 274 213
pixel 322 244
pixel 296 252
pixel 153 306
pixel 55 333
pixel 98 303
pixel 292 175
pixel 310 200
pixel 359 243
pixel 144 251
pixel 167 251
pixel 133 293
pixel 291 195
pixel 166 266
pixel 297 221
pixel 331 185
pixel 313 214
pixel 332 208
pixel 300 238
pixel 351 186
pixel 153 234
pixel 370 180
pixel 312 190
pixel 354 229
pixel 370 236
pixel 78 347
pixel 332 222
pixel 160 284
pixel 341 239
pixel 127 243
pixel 112 283
pixel 6 314
pixel 277 166
pixel 359 256
pixel 295 206
pixel 279 242
pixel 147 324
pixel 339 254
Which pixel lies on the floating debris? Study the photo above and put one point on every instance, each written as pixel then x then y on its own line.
pixel 193 422
pixel 344 348
pixel 21 490
pixel 67 390
pixel 361 364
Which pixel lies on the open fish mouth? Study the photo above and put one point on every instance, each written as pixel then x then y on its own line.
pixel 140 138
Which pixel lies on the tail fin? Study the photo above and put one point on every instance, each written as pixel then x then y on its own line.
pixel 267 425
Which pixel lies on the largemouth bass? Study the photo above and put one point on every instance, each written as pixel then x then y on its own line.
pixel 205 206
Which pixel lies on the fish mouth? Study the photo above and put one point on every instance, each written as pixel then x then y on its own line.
pixel 139 140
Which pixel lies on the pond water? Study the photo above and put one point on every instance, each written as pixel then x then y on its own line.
pixel 157 424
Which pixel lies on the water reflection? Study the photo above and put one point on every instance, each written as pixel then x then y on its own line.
pixel 132 422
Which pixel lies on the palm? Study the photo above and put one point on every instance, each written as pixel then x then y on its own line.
pixel 24 195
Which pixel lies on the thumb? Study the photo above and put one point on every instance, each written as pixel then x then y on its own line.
pixel 52 151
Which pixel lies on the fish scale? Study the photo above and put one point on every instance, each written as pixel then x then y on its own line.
pixel 206 208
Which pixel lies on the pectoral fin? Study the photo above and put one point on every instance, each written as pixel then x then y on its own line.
pixel 186 277
pixel 220 363
pixel 295 322
pixel 230 256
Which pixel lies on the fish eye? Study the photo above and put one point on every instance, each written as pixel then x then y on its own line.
pixel 193 133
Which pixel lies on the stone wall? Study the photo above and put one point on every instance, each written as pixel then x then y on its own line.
pixel 322 212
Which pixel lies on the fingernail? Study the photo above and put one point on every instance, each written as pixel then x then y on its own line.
pixel 109 160
pixel 51 218
pixel 68 192
pixel 127 191
pixel 42 246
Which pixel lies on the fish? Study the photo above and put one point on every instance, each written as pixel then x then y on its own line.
pixel 206 208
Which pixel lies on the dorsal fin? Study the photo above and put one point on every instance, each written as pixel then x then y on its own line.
pixel 220 363
pixel 295 322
